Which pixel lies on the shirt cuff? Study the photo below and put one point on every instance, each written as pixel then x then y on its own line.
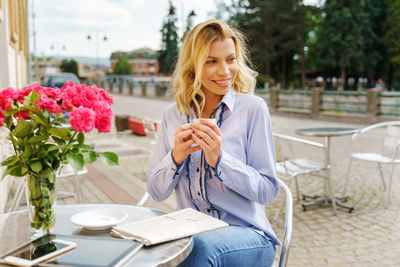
pixel 216 170
pixel 177 168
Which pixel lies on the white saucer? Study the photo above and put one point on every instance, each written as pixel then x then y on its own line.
pixel 99 219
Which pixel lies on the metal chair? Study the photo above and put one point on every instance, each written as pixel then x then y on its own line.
pixel 388 135
pixel 289 167
pixel 66 171
pixel 288 226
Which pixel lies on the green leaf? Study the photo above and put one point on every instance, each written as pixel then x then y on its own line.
pixel 38 139
pixel 86 148
pixel 76 160
pixel 36 166
pixel 63 133
pixel 22 129
pixel 27 101
pixel 37 118
pixel 27 151
pixel 89 157
pixel 14 170
pixel 81 138
pixel 52 148
pixel 8 122
pixel 110 157
pixel 10 160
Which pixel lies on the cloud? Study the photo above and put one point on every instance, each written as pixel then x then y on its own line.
pixel 128 24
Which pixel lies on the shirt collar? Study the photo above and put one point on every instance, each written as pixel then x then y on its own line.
pixel 229 99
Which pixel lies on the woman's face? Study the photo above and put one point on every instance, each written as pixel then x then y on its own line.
pixel 220 68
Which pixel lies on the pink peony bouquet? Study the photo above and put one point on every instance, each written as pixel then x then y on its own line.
pixel 46 126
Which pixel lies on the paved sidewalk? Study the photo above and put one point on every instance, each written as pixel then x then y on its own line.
pixel 369 236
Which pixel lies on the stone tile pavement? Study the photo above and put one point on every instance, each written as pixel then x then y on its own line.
pixel 370 236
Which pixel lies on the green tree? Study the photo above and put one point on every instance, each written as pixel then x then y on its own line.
pixel 340 41
pixel 274 33
pixel 375 59
pixel 122 66
pixel 392 38
pixel 169 47
pixel 69 66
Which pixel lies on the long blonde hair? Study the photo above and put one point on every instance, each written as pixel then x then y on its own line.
pixel 186 79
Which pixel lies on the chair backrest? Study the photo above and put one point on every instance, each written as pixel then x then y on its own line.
pixel 385 136
pixel 391 140
pixel 288 226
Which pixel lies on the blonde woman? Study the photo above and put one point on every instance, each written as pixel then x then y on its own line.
pixel 224 168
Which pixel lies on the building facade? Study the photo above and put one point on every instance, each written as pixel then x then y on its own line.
pixel 140 66
pixel 14 56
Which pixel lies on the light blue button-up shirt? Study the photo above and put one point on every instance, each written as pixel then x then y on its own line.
pixel 242 183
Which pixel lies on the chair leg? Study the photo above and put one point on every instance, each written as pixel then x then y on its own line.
pixel 347 176
pixel 19 192
pixel 297 188
pixel 382 178
pixel 390 185
pixel 331 194
pixel 78 187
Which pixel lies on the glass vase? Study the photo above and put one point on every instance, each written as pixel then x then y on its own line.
pixel 41 200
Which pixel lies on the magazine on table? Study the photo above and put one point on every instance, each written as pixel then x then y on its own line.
pixel 168 227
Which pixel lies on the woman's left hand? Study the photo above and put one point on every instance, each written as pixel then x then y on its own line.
pixel 209 137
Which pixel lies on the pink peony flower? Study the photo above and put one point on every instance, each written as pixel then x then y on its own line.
pixel 103 117
pixel 87 97
pixel 67 85
pixel 49 104
pixel 23 115
pixel 7 96
pixel 69 97
pixel 54 93
pixel 2 118
pixel 104 95
pixel 24 92
pixel 82 119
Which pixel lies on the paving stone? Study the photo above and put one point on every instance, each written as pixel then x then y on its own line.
pixel 369 236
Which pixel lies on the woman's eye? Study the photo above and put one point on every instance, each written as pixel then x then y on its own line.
pixel 232 59
pixel 211 61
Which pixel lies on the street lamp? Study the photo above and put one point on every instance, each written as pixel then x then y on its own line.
pixel 104 39
pixel 57 47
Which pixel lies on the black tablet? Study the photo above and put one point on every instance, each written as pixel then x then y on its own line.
pixel 96 251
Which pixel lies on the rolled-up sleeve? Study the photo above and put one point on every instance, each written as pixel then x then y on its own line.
pixel 164 173
pixel 256 178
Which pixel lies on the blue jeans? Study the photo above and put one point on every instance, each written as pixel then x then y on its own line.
pixel 230 246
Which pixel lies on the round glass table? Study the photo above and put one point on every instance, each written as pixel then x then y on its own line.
pixel 327 133
pixel 15 230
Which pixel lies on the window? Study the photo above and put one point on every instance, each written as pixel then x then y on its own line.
pixel 1 12
pixel 13 22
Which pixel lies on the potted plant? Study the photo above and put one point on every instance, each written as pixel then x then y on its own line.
pixel 46 129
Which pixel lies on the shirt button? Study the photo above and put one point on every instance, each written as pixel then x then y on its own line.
pixel 208 210
pixel 198 169
pixel 198 193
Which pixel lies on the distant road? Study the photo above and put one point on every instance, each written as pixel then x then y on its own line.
pixel 139 106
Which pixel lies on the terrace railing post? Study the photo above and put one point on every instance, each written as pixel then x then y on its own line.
pixel 110 85
pixel 144 91
pixel 372 105
pixel 273 98
pixel 130 86
pixel 315 101
pixel 120 83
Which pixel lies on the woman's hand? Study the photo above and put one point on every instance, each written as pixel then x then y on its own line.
pixel 183 143
pixel 209 137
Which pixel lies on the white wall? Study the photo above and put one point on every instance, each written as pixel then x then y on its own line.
pixel 8 77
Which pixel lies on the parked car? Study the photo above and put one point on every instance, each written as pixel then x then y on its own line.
pixel 58 80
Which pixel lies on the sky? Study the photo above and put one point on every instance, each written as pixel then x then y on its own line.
pixel 62 26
